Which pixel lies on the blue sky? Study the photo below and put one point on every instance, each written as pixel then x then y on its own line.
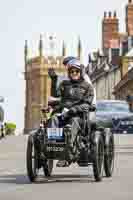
pixel 26 19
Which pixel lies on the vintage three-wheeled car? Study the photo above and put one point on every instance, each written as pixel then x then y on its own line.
pixel 92 146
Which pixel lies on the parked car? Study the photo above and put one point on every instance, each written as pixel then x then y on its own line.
pixel 114 114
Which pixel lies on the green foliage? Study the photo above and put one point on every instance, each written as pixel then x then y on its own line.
pixel 10 128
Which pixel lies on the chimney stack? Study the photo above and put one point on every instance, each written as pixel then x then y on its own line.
pixel 129 18
pixel 110 30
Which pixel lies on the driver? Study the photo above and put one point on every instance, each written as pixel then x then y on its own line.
pixel 76 97
pixel 84 74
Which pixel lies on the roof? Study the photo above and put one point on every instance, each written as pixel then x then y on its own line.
pixel 127 77
pixel 101 72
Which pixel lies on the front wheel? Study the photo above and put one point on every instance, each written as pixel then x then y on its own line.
pixel 31 160
pixel 98 157
pixel 109 155
pixel 48 167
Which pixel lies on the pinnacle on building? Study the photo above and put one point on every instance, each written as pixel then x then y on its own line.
pixel 40 48
pixel 79 49
pixel 63 49
pixel 25 52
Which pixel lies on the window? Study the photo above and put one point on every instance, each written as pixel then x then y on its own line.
pixel 112 107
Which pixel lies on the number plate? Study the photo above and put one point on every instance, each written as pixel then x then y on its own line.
pixel 55 133
pixel 55 149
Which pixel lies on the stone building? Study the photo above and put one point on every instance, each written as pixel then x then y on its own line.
pixel 124 89
pixel 104 75
pixel 110 70
pixel 105 67
pixel 38 83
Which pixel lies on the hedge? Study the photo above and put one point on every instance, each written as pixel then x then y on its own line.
pixel 10 128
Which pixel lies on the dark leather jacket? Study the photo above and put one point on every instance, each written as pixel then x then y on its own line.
pixel 75 95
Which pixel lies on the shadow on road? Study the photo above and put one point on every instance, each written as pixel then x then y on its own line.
pixel 63 178
pixel 14 179
pixel 21 179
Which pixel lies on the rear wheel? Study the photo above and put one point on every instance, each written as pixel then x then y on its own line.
pixel 32 160
pixel 98 157
pixel 109 155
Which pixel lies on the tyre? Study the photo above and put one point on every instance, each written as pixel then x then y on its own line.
pixel 109 155
pixel 31 160
pixel 98 156
pixel 83 160
pixel 48 167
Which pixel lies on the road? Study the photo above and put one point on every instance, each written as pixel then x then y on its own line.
pixel 66 183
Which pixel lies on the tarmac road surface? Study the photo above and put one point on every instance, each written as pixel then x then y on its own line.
pixel 66 183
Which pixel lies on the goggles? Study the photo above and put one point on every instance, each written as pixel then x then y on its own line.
pixel 74 71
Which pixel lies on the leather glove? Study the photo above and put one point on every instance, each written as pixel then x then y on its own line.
pixel 71 112
pixel 51 73
pixel 80 108
pixel 63 115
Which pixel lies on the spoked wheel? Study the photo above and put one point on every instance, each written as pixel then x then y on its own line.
pixel 32 160
pixel 98 159
pixel 48 167
pixel 109 155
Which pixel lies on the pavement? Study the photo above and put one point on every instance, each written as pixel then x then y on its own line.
pixel 66 183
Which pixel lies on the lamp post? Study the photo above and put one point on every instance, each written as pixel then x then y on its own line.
pixel 106 69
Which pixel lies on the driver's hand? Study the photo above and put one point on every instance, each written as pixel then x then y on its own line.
pixel 58 114
pixel 64 114
pixel 65 110
pixel 52 73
